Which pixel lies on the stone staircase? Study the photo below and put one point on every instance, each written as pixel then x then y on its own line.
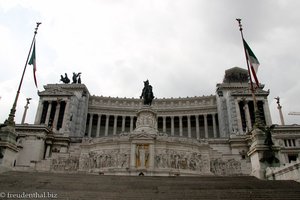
pixel 88 186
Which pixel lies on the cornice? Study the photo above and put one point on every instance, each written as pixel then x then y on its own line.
pixel 32 128
pixel 57 91
pixel 66 86
pixel 284 128
pixel 63 89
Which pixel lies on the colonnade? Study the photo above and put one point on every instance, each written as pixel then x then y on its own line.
pixel 52 113
pixel 99 125
pixel 246 116
pixel 191 126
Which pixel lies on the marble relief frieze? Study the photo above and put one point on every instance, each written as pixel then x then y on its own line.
pixel 181 160
pixel 110 158
pixel 225 167
pixel 65 164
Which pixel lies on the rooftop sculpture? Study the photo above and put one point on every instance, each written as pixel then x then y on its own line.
pixel 75 79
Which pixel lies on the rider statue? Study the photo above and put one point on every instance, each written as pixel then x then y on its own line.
pixel 147 93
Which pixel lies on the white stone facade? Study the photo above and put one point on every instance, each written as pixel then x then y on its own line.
pixel 75 132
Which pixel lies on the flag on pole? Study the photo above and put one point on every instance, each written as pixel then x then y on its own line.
pixel 253 61
pixel 32 61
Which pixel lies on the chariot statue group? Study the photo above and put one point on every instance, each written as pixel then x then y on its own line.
pixel 75 79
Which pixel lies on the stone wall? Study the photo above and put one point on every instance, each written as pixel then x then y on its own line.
pixel 170 155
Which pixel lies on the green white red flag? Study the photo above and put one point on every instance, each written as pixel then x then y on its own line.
pixel 32 62
pixel 253 62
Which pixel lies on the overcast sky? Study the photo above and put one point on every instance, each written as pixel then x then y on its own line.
pixel 182 46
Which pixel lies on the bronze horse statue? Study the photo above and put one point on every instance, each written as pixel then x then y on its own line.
pixel 65 79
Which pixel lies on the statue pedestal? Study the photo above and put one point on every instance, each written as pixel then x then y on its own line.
pixel 146 121
pixel 8 147
pixel 261 155
pixel 142 141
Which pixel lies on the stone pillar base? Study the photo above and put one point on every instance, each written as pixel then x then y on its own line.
pixel 259 153
pixel 8 146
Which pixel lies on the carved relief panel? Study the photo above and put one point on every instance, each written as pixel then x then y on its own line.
pixel 225 167
pixel 106 158
pixel 185 160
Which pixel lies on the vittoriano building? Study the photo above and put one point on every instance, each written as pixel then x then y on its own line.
pixel 76 132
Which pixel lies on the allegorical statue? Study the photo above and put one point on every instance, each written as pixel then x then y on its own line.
pixel 268 133
pixel 75 76
pixel 65 79
pixel 147 93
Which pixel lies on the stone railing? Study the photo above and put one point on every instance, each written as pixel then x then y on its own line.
pixel 290 171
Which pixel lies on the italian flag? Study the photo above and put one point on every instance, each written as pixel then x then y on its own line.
pixel 32 61
pixel 253 61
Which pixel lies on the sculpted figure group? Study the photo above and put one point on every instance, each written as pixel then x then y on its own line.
pixel 76 78
pixel 180 160
pixel 104 159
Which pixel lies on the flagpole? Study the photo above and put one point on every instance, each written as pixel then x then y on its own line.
pixel 256 112
pixel 10 120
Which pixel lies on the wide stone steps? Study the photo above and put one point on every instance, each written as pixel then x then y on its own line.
pixel 87 186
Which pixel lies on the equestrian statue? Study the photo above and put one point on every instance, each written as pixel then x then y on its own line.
pixel 147 93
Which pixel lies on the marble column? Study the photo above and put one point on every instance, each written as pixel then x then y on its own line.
pixel 66 118
pixel 98 125
pixel 214 125
pixel 39 112
pixel 267 113
pixel 247 116
pixel 205 126
pixel 115 125
pixel 197 127
pixel 189 126
pixel 56 115
pixel 172 125
pixel 132 156
pixel 123 123
pixel 106 125
pixel 238 117
pixel 90 125
pixel 180 126
pixel 164 124
pixel 131 123
pixel 151 156
pixel 48 113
